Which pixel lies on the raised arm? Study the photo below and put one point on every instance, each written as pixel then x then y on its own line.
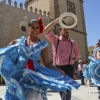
pixel 50 26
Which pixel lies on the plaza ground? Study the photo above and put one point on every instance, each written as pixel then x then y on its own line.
pixel 83 93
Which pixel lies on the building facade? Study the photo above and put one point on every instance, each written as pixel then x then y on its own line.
pixel 90 50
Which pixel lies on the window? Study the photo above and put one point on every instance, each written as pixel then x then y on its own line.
pixel 70 7
pixel 31 9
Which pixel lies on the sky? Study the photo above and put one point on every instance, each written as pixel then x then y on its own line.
pixel 92 19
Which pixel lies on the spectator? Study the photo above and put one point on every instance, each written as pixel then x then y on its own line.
pixel 80 71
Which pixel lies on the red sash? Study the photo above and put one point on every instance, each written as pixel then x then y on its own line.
pixel 30 64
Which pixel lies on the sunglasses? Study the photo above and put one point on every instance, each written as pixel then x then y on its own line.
pixel 35 27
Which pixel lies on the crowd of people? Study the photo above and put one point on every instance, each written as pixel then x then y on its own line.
pixel 27 79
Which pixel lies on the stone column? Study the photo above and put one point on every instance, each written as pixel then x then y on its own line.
pixel 84 27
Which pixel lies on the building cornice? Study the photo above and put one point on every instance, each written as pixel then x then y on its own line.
pixel 81 1
pixel 27 1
